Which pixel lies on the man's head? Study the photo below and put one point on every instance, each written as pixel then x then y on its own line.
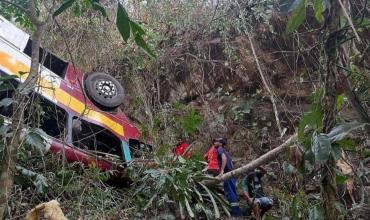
pixel 251 175
pixel 181 139
pixel 219 142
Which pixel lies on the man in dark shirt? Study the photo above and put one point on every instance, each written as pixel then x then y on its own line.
pixel 253 191
pixel 226 165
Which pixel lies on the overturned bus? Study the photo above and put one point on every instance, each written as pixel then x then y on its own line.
pixel 81 114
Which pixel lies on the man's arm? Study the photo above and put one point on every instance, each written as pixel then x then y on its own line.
pixel 223 164
pixel 263 170
pixel 205 156
pixel 248 197
pixel 246 192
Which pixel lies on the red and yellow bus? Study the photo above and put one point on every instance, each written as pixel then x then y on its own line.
pixel 80 112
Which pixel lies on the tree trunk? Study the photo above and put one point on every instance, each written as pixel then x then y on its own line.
pixel 266 158
pixel 328 185
pixel 9 160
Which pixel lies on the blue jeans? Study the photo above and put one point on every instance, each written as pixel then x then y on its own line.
pixel 231 196
pixel 265 203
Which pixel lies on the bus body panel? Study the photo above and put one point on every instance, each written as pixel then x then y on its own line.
pixel 67 93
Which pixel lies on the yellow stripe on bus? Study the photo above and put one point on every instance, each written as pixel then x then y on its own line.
pixel 47 88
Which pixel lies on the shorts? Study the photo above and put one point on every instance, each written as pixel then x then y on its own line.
pixel 264 202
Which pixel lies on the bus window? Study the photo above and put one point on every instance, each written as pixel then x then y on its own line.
pixel 7 88
pixel 139 149
pixel 53 119
pixel 95 138
pixel 48 60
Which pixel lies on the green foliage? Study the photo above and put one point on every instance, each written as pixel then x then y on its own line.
pixel 10 11
pixel 6 102
pixel 340 101
pixel 190 122
pixel 240 112
pixel 321 147
pixel 38 180
pixel 179 181
pixel 339 132
pixel 34 137
pixel 288 168
pixel 312 118
pixel 298 15
pixel 319 10
pixel 333 142
pixel 64 6
pixel 317 213
pixel 299 206
pixel 123 22
pixel 126 27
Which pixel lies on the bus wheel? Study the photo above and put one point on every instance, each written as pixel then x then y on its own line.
pixel 104 90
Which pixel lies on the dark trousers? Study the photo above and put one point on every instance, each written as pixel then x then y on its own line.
pixel 231 196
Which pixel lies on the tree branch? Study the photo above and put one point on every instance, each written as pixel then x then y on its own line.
pixel 14 4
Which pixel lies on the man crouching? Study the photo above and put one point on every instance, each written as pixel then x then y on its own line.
pixel 252 190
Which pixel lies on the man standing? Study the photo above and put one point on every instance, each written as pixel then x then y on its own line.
pixel 252 190
pixel 226 165
pixel 211 157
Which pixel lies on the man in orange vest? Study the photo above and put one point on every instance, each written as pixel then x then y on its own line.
pixel 181 148
pixel 211 157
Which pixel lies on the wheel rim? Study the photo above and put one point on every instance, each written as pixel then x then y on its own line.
pixel 106 88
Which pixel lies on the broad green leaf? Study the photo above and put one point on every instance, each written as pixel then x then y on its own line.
pixel 341 131
pixel 316 213
pixel 98 7
pixel 340 101
pixel 224 204
pixel 215 207
pixel 336 151
pixel 340 179
pixel 181 210
pixel 34 138
pixel 321 147
pixel 4 130
pixel 6 102
pixel 288 168
pixel 123 22
pixel 136 28
pixel 319 9
pixel 200 197
pixel 347 144
pixel 40 183
pixel 64 6
pixel 190 211
pixel 297 18
pixel 141 43
pixel 314 118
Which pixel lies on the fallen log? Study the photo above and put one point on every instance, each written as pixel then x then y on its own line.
pixel 264 159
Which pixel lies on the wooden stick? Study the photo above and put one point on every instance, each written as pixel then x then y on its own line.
pixel 264 81
pixel 349 20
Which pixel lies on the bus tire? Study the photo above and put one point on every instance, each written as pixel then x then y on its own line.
pixel 104 90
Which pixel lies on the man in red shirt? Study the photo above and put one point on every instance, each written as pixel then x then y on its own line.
pixel 211 157
pixel 181 148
